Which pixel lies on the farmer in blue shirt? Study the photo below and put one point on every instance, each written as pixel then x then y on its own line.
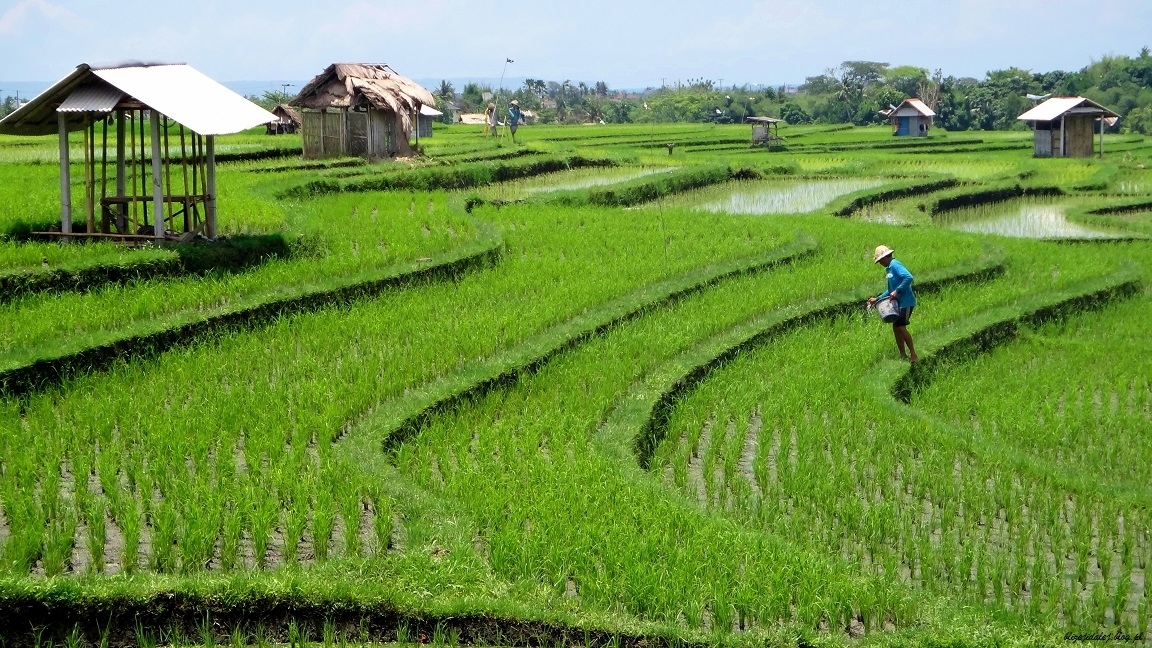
pixel 514 115
pixel 900 289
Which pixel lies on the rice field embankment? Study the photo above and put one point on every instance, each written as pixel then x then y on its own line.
pixel 610 385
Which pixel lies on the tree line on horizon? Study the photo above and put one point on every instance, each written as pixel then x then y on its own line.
pixel 852 93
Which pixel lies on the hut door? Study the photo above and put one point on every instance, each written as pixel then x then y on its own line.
pixel 358 134
pixel 905 127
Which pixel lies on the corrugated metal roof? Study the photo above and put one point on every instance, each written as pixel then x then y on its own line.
pixel 178 91
pixel 917 105
pixel 97 98
pixel 430 111
pixel 1055 107
pixel 187 96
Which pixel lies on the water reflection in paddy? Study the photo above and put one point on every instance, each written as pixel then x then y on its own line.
pixel 568 181
pixel 771 196
pixel 1020 220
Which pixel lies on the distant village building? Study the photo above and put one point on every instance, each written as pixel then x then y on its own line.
pixel 453 111
pixel 912 118
pixel 149 146
pixel 287 120
pixel 358 109
pixel 472 119
pixel 428 114
pixel 1067 126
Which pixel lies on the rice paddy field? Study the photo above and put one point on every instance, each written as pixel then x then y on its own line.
pixel 606 386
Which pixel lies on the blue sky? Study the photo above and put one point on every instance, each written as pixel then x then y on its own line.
pixel 628 44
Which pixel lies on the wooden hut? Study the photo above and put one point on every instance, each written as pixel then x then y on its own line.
pixel 287 120
pixel 912 118
pixel 160 122
pixel 766 131
pixel 1067 126
pixel 428 114
pixel 360 110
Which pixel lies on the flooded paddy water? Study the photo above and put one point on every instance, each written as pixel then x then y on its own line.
pixel 770 196
pixel 569 181
pixel 1023 219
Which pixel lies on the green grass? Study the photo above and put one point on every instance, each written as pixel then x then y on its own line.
pixel 463 458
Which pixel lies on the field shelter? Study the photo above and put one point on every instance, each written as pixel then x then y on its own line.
pixel 912 118
pixel 428 114
pixel 765 130
pixel 360 109
pixel 1067 127
pixel 160 179
pixel 287 120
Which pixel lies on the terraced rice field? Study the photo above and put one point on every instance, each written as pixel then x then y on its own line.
pixel 585 391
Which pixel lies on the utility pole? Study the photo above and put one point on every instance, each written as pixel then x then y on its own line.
pixel 501 90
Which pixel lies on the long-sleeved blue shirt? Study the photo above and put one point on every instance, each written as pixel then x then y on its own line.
pixel 900 280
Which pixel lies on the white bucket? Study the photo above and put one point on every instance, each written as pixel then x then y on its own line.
pixel 888 309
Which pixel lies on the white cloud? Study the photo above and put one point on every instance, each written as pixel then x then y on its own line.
pixel 16 18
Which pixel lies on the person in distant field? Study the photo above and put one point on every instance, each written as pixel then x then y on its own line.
pixel 514 117
pixel 490 120
pixel 900 289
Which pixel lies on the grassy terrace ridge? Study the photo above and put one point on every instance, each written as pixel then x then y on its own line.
pixel 627 395
pixel 960 343
pixel 639 418
pixel 157 336
pixel 400 421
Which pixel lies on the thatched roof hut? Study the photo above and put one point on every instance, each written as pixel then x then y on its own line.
pixel 360 109
pixel 287 120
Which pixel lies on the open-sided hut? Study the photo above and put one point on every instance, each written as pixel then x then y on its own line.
pixel 1067 126
pixel 287 120
pixel 912 118
pixel 159 181
pixel 765 130
pixel 360 109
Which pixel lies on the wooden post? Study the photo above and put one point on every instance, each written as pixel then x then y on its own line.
pixel 121 226
pixel 189 213
pixel 167 160
pixel 141 162
pixel 89 174
pixel 322 133
pixel 1063 135
pixel 1101 136
pixel 368 132
pixel 104 224
pixel 65 177
pixel 157 177
pixel 210 177
pixel 344 132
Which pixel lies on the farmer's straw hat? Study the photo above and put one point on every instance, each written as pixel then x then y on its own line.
pixel 514 102
pixel 881 252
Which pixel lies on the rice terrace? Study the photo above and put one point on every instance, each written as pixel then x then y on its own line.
pixel 608 385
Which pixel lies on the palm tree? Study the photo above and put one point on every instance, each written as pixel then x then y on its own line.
pixel 446 91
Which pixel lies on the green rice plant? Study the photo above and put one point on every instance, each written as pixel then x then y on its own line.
pixel 261 522
pixel 206 632
pixel 323 521
pixel 504 490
